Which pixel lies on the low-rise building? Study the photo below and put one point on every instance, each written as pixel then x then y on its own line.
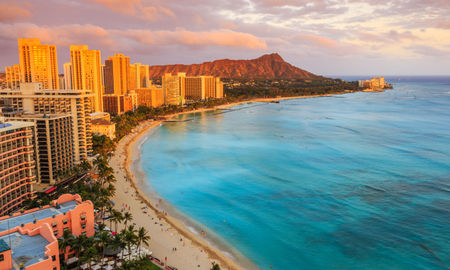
pixel 119 104
pixel 104 127
pixel 30 237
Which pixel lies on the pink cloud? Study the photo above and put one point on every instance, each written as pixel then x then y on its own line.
pixel 180 36
pixel 136 8
pixel 117 39
pixel 63 35
pixel 10 12
pixel 319 41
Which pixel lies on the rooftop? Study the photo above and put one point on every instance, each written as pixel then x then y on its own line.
pixel 102 122
pixel 44 213
pixel 12 125
pixel 26 249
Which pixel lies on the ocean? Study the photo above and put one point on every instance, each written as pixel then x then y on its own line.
pixel 355 181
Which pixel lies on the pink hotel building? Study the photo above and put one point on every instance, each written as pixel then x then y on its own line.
pixel 29 240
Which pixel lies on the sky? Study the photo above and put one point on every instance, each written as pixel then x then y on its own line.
pixel 326 37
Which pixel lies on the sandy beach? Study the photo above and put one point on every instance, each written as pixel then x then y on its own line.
pixel 167 233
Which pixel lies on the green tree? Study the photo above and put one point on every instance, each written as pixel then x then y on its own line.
pixel 142 238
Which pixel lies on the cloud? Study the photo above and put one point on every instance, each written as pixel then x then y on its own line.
pixel 119 39
pixel 10 12
pixel 136 8
pixel 319 41
pixel 205 38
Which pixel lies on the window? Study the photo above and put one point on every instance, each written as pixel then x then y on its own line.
pixel 53 258
pixel 2 257
pixel 83 226
pixel 54 224
pixel 65 221
pixel 55 232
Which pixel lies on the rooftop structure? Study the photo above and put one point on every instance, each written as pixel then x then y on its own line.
pixel 30 238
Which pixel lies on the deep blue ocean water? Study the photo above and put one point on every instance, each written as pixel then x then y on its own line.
pixel 356 181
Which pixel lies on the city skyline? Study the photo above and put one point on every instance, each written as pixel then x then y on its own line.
pixel 324 37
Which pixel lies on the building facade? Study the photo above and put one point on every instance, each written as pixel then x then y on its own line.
pixel 38 63
pixel 53 145
pixel 119 104
pixel 87 73
pixel 32 99
pixel 203 87
pixel 150 97
pixel 104 127
pixel 12 77
pixel 17 164
pixel 67 76
pixel 117 70
pixel 33 242
pixel 139 76
pixel 173 88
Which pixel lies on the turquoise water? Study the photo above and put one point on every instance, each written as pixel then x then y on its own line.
pixel 357 181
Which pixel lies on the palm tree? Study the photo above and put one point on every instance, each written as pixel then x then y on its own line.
pixel 65 241
pixel 79 245
pixel 130 238
pixel 104 239
pixel 142 238
pixel 118 242
pixel 90 254
pixel 116 217
pixel 127 216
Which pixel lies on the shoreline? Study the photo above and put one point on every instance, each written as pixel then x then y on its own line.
pixel 125 167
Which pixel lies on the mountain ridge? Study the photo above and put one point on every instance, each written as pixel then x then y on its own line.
pixel 268 66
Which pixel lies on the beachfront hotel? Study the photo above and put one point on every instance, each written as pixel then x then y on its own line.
pixel 17 164
pixel 173 88
pixel 86 73
pixel 29 240
pixel 38 63
pixel 32 99
pixel 203 87
pixel 54 145
pixel 150 97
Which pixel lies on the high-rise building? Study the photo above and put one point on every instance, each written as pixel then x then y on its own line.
pixel 150 97
pixel 32 99
pixel 219 88
pixel 117 70
pixel 203 87
pixel 17 164
pixel 173 88
pixel 139 76
pixel 67 76
pixel 12 77
pixel 54 144
pixel 38 63
pixel 87 73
